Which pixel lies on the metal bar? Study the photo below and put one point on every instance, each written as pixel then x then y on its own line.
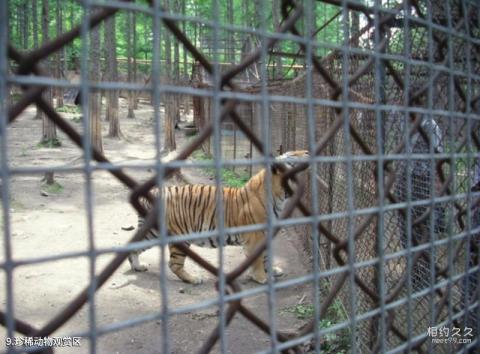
pixel 418 105
pixel 9 321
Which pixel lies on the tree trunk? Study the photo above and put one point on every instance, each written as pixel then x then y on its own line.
pixel 49 178
pixel 95 96
pixel 58 56
pixel 355 28
pixel 170 108
pixel 278 68
pixel 24 17
pixel 134 27
pixel 38 114
pixel 147 33
pixel 170 100
pixel 20 24
pixel 9 101
pixel 131 95
pixel 34 24
pixel 111 114
pixel 176 70
pixel 49 132
pixel 230 45
pixel 184 24
pixel 71 56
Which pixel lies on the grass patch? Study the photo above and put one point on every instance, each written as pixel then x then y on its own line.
pixel 75 111
pixel 16 97
pixel 190 130
pixel 55 188
pixel 200 155
pixel 229 177
pixel 232 178
pixel 49 143
pixel 23 152
pixel 331 343
pixel 69 109
pixel 16 205
pixel 300 311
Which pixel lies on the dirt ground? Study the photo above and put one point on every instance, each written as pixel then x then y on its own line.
pixel 45 222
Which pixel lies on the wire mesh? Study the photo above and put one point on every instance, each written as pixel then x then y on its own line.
pixel 394 232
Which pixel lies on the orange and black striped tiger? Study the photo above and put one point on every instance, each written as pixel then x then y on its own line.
pixel 192 208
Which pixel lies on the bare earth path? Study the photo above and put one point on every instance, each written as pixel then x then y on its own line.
pixel 56 223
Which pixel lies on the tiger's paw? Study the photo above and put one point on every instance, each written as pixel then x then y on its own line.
pixel 277 272
pixel 140 268
pixel 188 278
pixel 262 279
pixel 135 264
pixel 197 281
pixel 193 280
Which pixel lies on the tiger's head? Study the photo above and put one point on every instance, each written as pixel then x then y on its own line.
pixel 289 160
pixel 282 165
pixel 292 158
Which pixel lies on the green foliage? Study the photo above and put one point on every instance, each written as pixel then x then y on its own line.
pixel 77 119
pixel 229 177
pixel 16 205
pixel 200 155
pixel 55 188
pixel 50 143
pixel 24 152
pixel 69 109
pixel 301 311
pixel 245 14
pixel 16 97
pixel 334 343
pixel 233 179
pixel 190 131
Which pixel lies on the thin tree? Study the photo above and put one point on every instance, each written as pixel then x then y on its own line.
pixel 72 24
pixel 49 131
pixel 278 68
pixel 35 23
pixel 24 23
pixel 176 69
pixel 58 56
pixel 134 44
pixel 95 96
pixel 184 29
pixel 35 31
pixel 170 101
pixel 131 95
pixel 111 113
pixel 230 45
pixel 355 27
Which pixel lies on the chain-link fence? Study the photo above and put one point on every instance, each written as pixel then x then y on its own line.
pixel 389 209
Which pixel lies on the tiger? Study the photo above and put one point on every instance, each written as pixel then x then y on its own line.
pixel 192 208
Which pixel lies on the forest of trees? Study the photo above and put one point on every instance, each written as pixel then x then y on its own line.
pixel 134 30
pixel 121 50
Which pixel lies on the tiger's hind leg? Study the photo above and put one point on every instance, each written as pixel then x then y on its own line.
pixel 176 264
pixel 133 256
pixel 135 262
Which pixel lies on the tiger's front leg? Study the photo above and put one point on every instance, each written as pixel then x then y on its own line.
pixel 277 271
pixel 135 262
pixel 257 269
pixel 177 263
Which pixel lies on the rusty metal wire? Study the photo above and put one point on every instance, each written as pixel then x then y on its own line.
pixel 379 20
